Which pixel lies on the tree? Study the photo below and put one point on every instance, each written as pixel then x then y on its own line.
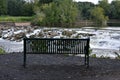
pixel 28 9
pixel 98 16
pixel 20 8
pixel 84 9
pixel 3 7
pixel 105 5
pixel 58 13
pixel 115 9
pixel 45 1
pixel 15 7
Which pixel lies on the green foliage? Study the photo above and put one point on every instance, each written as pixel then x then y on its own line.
pixel 84 9
pixel 98 16
pixel 93 55
pixel 15 19
pixel 105 5
pixel 39 46
pixel 19 8
pixel 90 51
pixel 2 51
pixel 3 7
pixel 45 1
pixel 38 19
pixel 57 13
pixel 61 12
pixel 115 9
pixel 111 10
pixel 27 9
pixel 15 7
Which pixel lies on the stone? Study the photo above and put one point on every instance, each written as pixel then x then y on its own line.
pixel 68 33
pixel 19 36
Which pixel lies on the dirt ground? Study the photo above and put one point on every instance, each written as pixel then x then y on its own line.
pixel 57 67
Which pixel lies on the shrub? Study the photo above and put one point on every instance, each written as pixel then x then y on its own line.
pixel 2 51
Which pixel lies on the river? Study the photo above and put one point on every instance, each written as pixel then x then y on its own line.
pixel 103 42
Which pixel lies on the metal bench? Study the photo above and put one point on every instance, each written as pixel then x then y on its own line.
pixel 56 46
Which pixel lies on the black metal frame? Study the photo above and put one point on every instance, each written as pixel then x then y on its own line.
pixel 56 46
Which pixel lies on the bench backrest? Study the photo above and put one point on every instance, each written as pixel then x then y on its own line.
pixel 56 46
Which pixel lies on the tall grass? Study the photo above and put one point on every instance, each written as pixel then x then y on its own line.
pixel 15 19
pixel 2 51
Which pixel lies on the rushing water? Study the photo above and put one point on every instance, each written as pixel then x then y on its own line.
pixel 103 42
pixel 11 46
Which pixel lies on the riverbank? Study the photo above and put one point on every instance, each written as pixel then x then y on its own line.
pixel 57 67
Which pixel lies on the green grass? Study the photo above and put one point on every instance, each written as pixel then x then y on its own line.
pixel 2 51
pixel 15 19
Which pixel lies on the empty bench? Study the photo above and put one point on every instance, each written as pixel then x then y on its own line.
pixel 56 46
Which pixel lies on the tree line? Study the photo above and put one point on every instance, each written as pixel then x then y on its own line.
pixel 16 8
pixel 61 12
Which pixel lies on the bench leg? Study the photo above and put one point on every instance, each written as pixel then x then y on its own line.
pixel 24 60
pixel 87 60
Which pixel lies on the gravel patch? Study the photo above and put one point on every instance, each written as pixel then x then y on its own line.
pixel 57 67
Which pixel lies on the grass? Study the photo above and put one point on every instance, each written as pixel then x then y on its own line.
pixel 15 19
pixel 2 51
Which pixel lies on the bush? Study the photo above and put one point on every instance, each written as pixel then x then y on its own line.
pixel 2 51
pixel 57 13
pixel 39 46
